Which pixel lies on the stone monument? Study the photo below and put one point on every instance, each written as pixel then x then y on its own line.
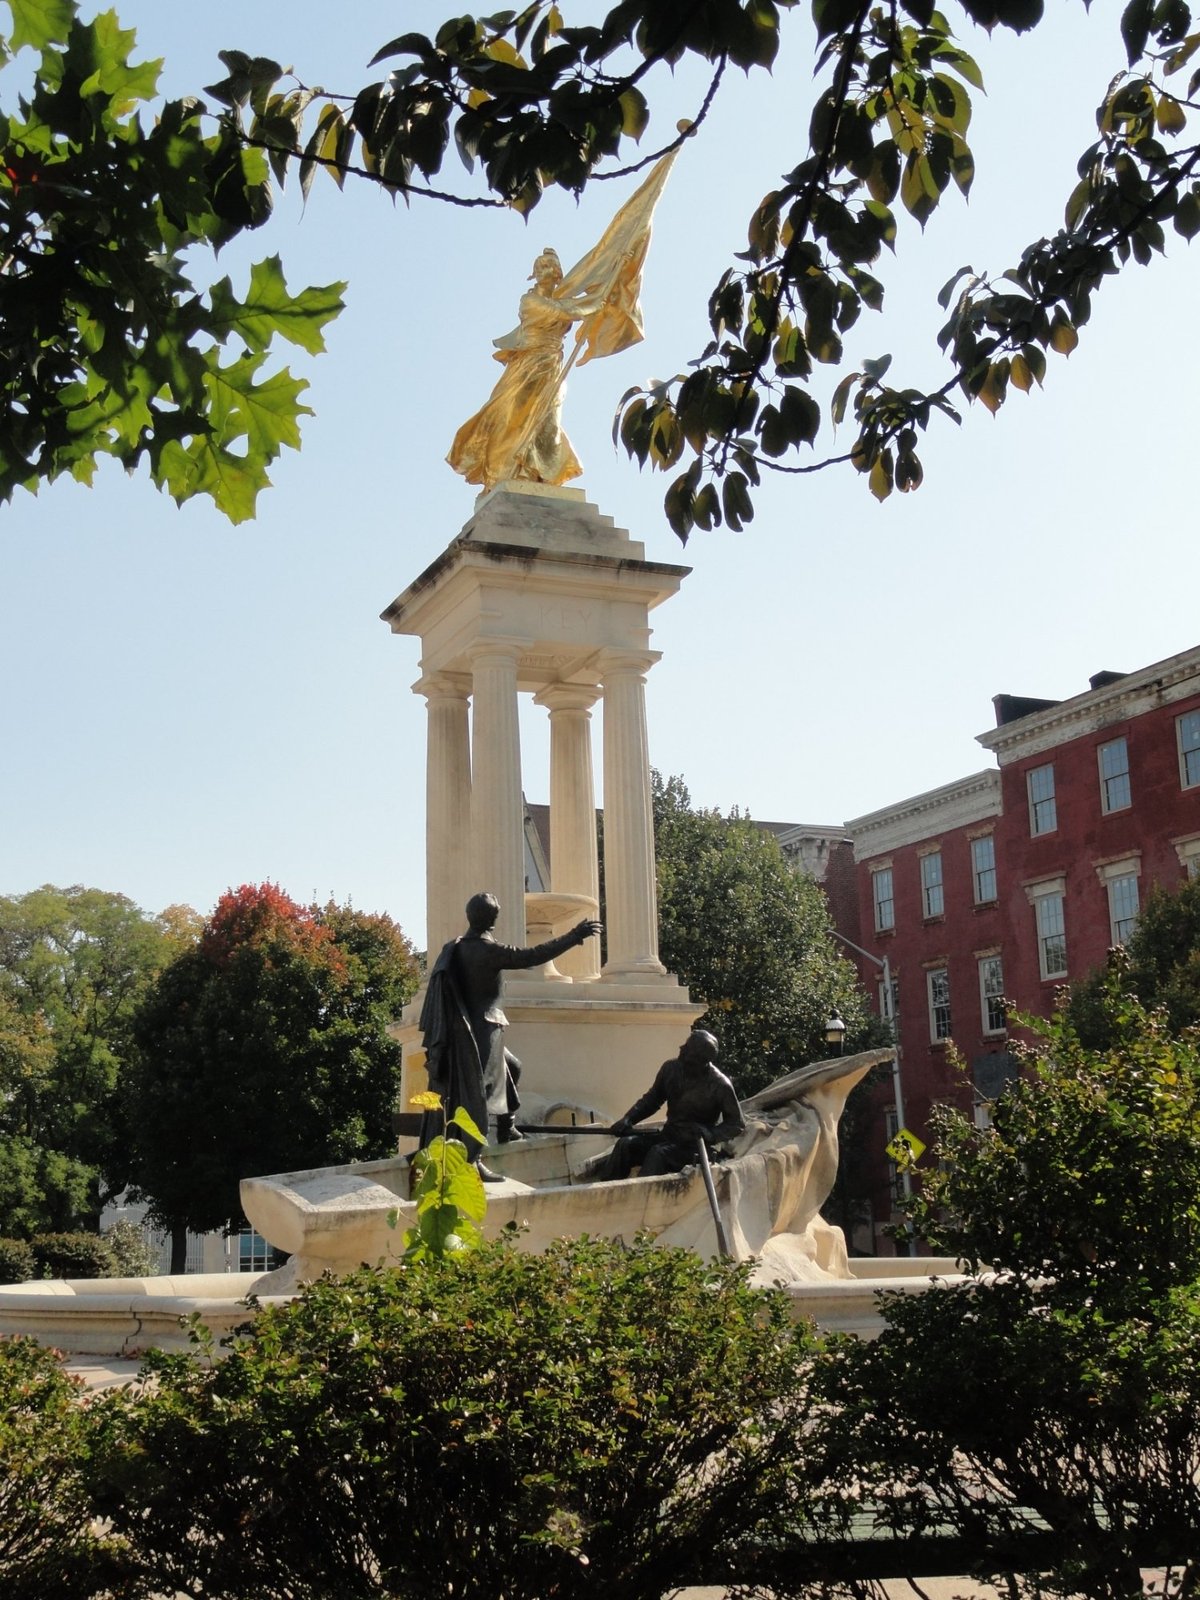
pixel 541 594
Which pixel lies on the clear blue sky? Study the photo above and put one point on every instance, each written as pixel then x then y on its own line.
pixel 189 705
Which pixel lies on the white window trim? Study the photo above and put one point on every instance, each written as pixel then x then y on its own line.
pixel 940 885
pixel 991 899
pixel 1109 872
pixel 981 961
pixel 1041 889
pixel 1052 798
pixel 1129 865
pixel 876 870
pixel 1194 711
pixel 1105 808
pixel 1188 851
pixel 930 973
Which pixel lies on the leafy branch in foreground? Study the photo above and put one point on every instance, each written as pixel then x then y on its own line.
pixel 529 102
pixel 448 1190
pixel 108 349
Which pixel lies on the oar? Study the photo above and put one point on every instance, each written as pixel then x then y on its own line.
pixel 706 1169
pixel 583 1127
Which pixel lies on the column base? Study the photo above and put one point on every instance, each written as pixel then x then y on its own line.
pixel 588 1047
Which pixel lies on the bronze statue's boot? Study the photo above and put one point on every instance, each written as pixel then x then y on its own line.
pixel 507 1131
pixel 487 1175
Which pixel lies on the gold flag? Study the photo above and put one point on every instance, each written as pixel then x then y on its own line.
pixel 612 272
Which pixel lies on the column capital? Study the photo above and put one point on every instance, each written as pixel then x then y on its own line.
pixel 568 696
pixel 443 686
pixel 496 651
pixel 627 663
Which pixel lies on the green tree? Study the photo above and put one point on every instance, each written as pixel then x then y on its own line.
pixel 109 348
pixel 751 938
pixel 1160 965
pixel 74 964
pixel 263 1049
pixel 594 1420
pixel 1064 1386
pixel 531 97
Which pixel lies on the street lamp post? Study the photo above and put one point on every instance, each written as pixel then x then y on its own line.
pixel 885 968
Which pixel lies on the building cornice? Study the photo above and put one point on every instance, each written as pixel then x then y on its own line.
pixel 924 816
pixel 1164 683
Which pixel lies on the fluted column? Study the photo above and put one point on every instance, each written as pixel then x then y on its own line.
pixel 497 816
pixel 631 897
pixel 447 805
pixel 573 863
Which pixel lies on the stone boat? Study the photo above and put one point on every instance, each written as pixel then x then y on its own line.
pixel 769 1191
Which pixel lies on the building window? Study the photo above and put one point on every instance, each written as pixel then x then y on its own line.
pixel 939 1003
pixel 991 994
pixel 1122 906
pixel 1114 776
pixel 254 1254
pixel 1188 727
pixel 1052 935
pixel 885 905
pixel 983 868
pixel 1188 851
pixel 932 897
pixel 1043 814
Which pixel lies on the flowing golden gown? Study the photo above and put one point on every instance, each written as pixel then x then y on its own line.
pixel 518 432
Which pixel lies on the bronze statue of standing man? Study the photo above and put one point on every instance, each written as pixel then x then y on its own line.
pixel 463 1024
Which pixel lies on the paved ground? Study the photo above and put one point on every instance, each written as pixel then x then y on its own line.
pixel 102 1372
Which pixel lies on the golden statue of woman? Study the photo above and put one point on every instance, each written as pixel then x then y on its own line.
pixel 518 433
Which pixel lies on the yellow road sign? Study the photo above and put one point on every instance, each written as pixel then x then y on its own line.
pixel 905 1146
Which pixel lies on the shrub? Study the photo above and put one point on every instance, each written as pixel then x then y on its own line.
pixel 591 1421
pixel 1067 1384
pixel 48 1546
pixel 17 1264
pixel 132 1256
pixel 73 1255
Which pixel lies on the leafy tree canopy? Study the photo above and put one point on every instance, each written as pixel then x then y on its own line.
pixel 1160 965
pixel 74 964
pixel 109 348
pixel 751 938
pixel 529 98
pixel 263 1049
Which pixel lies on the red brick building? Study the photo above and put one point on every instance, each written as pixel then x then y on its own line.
pixel 1018 879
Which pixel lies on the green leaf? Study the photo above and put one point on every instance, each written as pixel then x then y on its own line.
pixel 635 114
pixel 462 1119
pixel 1187 216
pixel 204 467
pixel 1135 28
pixel 269 309
pixel 40 22
pixel 1063 337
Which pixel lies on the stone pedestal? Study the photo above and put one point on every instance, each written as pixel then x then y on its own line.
pixel 540 594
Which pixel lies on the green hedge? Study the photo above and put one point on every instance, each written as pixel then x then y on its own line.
pixel 17 1264
pixel 592 1421
pixel 73 1255
pixel 49 1546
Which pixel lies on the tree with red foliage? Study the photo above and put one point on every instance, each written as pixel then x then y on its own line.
pixel 263 1049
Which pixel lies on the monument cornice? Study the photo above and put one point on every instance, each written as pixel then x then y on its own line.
pixel 609 576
